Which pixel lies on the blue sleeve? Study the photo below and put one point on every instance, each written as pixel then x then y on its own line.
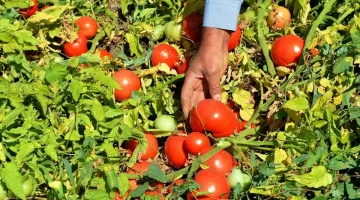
pixel 222 14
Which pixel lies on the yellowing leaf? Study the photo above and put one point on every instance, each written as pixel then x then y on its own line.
pixel 310 87
pixel 297 104
pixel 165 68
pixel 283 71
pixel 318 177
pixel 51 14
pixel 243 98
pixel 246 114
pixel 325 83
pixel 264 190
pixel 338 99
pixel 280 157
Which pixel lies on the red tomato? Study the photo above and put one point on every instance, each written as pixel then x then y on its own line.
pixel 287 50
pixel 315 51
pixel 278 18
pixel 243 124
pixel 195 142
pixel 151 149
pixel 192 27
pixel 103 53
pixel 213 183
pixel 28 12
pixel 214 116
pixel 175 151
pixel 138 169
pixel 235 38
pixel 183 67
pixel 88 26
pixel 77 47
pixel 177 183
pixel 164 53
pixel 128 82
pixel 222 161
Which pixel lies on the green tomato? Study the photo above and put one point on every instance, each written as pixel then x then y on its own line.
pixel 157 33
pixel 28 186
pixel 173 31
pixel 2 193
pixel 237 176
pixel 165 123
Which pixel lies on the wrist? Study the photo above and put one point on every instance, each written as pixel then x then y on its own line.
pixel 215 38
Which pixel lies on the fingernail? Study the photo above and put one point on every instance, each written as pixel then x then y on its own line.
pixel 217 97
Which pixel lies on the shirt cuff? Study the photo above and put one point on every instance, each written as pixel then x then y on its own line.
pixel 222 14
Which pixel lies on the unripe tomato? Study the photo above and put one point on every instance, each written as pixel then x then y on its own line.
pixel 28 187
pixel 195 142
pixel 175 151
pixel 237 176
pixel 235 39
pixel 278 18
pixel 222 161
pixel 165 123
pixel 287 50
pixel 151 150
pixel 213 116
pixel 177 183
pixel 138 169
pixel 128 82
pixel 183 67
pixel 173 31
pixel 192 27
pixel 164 53
pixel 28 12
pixel 211 182
pixel 77 47
pixel 88 26
pixel 157 33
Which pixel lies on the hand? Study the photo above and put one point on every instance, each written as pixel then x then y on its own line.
pixel 205 72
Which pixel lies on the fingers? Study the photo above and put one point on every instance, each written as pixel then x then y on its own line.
pixel 213 80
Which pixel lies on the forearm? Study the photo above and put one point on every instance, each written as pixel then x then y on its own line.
pixel 222 14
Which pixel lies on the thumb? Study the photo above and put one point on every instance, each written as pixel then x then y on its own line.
pixel 214 86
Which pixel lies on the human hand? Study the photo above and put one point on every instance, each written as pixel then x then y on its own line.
pixel 205 72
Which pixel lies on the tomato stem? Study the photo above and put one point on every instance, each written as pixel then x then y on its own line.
pixel 348 12
pixel 171 81
pixel 261 38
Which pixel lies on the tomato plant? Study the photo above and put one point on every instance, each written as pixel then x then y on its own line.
pixel 164 53
pixel 237 176
pixel 175 151
pixel 128 82
pixel 192 27
pixel 214 116
pixel 195 142
pixel 165 123
pixel 278 18
pixel 235 38
pixel 103 54
pixel 151 149
pixel 77 47
pixel 3 194
pixel 87 26
pixel 287 50
pixel 178 182
pixel 157 33
pixel 222 161
pixel 212 182
pixel 28 12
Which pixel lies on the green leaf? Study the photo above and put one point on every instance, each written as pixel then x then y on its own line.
pixel 44 102
pixel 18 4
pixel 50 150
pixel 73 135
pixel 354 112
pixel 11 176
pixel 56 73
pixel 69 171
pixel 337 165
pixel 140 190
pixel 49 15
pixel 301 10
pixel 124 184
pixel 75 88
pixel 135 47
pixel 12 116
pixel 112 179
pixel 96 195
pixel 318 177
pixel 156 173
pixel 106 80
pixel 342 65
pixel 97 111
pixel 297 104
pixel 25 150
